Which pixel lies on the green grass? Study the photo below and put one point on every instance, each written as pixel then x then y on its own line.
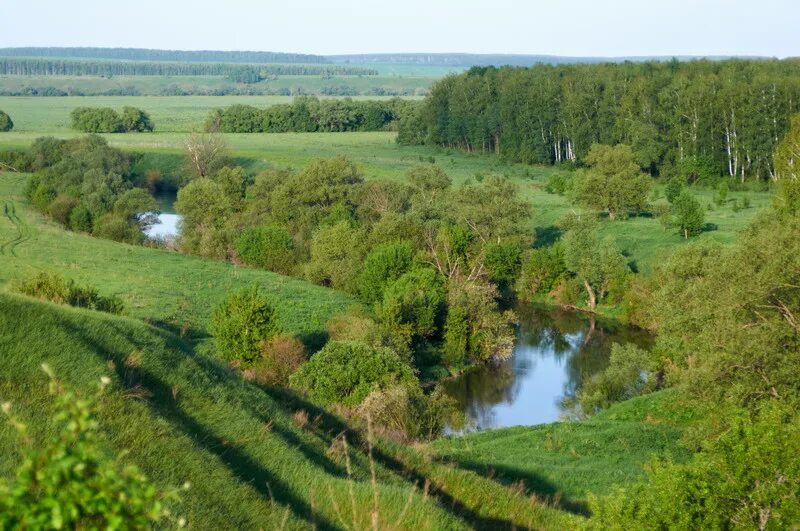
pixel 569 460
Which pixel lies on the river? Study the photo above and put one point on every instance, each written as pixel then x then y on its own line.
pixel 556 350
pixel 167 226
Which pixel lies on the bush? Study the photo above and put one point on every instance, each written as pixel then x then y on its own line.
pixel 405 413
pixel 346 372
pixel 559 183
pixel 107 120
pixel 270 247
pixel 5 122
pixel 241 324
pixel 414 303
pixel 55 288
pixel 69 483
pixel 61 208
pixel 281 357
pixel 746 479
pixel 673 188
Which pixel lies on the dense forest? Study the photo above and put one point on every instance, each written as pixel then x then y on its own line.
pixel 309 114
pixel 145 54
pixel 699 118
pixel 240 73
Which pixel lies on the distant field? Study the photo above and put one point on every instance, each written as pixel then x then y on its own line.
pixel 405 80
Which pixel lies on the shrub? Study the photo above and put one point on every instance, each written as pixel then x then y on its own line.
pixel 5 122
pixel 355 325
pixel 673 188
pixel 60 209
pixel 270 247
pixel 346 372
pixel 559 183
pixel 80 219
pixel 69 483
pixel 405 413
pixel 96 120
pixel 241 324
pixel 281 357
pixel 117 228
pixel 748 478
pixel 55 288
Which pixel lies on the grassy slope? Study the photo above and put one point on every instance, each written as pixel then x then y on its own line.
pixel 572 459
pixel 184 418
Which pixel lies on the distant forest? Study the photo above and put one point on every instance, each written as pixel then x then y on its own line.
pixel 697 118
pixel 473 59
pixel 242 73
pixel 144 54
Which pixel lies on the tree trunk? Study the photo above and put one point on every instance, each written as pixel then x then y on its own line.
pixel 612 215
pixel 590 293
pixel 685 234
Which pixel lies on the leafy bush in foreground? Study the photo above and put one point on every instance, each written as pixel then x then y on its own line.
pixel 5 122
pixel 70 483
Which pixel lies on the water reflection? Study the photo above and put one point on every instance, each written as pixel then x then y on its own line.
pixel 555 351
pixel 167 226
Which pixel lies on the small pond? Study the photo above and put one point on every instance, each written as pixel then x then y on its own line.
pixel 167 226
pixel 555 351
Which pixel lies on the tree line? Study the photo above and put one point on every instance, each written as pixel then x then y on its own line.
pixel 698 118
pixel 309 114
pixel 145 54
pixel 68 67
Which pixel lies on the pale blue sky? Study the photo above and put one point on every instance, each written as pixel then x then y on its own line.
pixel 572 27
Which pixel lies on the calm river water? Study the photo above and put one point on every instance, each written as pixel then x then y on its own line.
pixel 555 351
pixel 167 226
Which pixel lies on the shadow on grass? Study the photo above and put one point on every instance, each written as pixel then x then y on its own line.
pixel 164 404
pixel 532 483
pixel 546 236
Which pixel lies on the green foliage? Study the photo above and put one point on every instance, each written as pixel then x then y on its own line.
pixel 135 120
pixel 53 287
pixel 614 183
pixel 487 334
pixel 413 305
pixel 455 351
pixel 309 114
pixel 673 188
pixel 382 266
pixel 542 270
pixel 241 325
pixel 347 372
pixel 267 246
pixel 5 122
pixel 688 213
pixel 70 482
pixel 559 183
pixel 335 255
pixel 503 262
pixel 205 208
pixel 405 412
pixel 787 167
pixel 96 120
pixel 747 478
pixel 625 377
pixel 596 263
pixel 721 196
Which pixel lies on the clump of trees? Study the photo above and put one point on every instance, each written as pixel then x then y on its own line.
pixel 309 114
pixel 699 119
pixel 5 122
pixel 88 186
pixel 432 260
pixel 107 120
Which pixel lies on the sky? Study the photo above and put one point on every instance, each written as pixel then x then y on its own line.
pixel 557 27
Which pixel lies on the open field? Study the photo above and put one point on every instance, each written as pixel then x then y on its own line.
pixel 401 80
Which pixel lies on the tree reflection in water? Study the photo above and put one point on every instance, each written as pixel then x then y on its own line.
pixel 555 351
